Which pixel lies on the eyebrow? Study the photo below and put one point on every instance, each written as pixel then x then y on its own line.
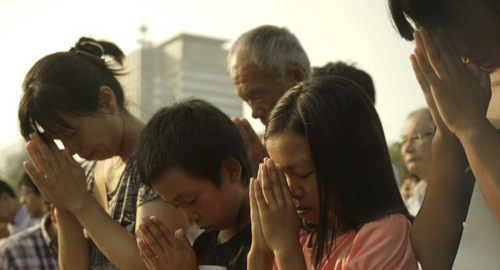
pixel 179 197
pixel 298 162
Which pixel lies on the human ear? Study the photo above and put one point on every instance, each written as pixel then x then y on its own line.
pixel 4 196
pixel 107 100
pixel 296 74
pixel 231 170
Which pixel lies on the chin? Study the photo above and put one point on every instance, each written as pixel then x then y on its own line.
pixel 490 68
pixel 98 156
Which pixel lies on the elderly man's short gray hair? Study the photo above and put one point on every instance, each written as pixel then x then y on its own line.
pixel 269 47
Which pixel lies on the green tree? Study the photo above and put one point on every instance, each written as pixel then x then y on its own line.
pixel 397 159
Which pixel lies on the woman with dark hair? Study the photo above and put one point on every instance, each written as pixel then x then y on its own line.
pixel 76 98
pixel 330 165
pixel 457 45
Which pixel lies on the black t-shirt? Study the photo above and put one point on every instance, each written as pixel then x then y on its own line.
pixel 231 254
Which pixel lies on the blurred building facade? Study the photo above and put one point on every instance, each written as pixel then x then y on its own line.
pixel 184 66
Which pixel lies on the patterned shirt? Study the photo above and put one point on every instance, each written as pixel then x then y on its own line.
pixel 129 194
pixel 31 249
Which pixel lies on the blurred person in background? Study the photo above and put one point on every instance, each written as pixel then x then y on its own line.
pixel 12 212
pixel 348 71
pixel 31 198
pixel 416 151
pixel 407 184
pixel 36 247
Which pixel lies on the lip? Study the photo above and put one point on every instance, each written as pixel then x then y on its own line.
pixel 303 211
pixel 483 62
pixel 488 66
pixel 413 159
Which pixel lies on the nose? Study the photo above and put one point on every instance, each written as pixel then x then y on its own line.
pixel 296 189
pixel 191 216
pixel 408 147
pixel 257 111
pixel 22 199
pixel 71 146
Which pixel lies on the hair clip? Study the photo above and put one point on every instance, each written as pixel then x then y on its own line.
pixel 83 45
pixel 89 49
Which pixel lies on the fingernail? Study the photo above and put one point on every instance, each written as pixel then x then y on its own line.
pixel 154 219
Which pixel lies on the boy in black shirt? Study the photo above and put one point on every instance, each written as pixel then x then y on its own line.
pixel 193 156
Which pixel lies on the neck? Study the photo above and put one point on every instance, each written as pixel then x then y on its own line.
pixel 132 128
pixel 242 220
pixel 52 231
pixel 493 113
pixel 15 206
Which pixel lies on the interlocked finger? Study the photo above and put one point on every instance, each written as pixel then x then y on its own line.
pixel 254 209
pixel 424 85
pixel 46 150
pixel 274 178
pixel 36 177
pixel 259 198
pixel 39 161
pixel 287 196
pixel 151 240
pixel 267 185
pixel 427 71
pixel 434 54
pixel 455 56
pixel 169 240
pixel 150 259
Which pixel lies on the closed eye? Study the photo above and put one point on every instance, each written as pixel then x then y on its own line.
pixel 193 201
pixel 305 175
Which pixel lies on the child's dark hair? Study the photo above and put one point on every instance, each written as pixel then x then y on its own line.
pixel 430 14
pixel 26 181
pixel 69 83
pixel 194 136
pixel 5 188
pixel 348 71
pixel 355 179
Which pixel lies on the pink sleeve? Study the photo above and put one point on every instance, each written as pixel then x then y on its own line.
pixel 383 245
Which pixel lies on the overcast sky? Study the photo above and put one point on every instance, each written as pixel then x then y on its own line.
pixel 329 30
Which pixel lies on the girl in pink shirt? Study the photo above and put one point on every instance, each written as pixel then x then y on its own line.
pixel 329 166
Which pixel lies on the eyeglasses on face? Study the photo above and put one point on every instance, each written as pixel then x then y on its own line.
pixel 417 138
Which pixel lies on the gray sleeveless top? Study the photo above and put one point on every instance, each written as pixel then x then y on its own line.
pixel 123 202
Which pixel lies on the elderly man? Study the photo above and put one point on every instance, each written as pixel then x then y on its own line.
pixel 416 152
pixel 264 63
